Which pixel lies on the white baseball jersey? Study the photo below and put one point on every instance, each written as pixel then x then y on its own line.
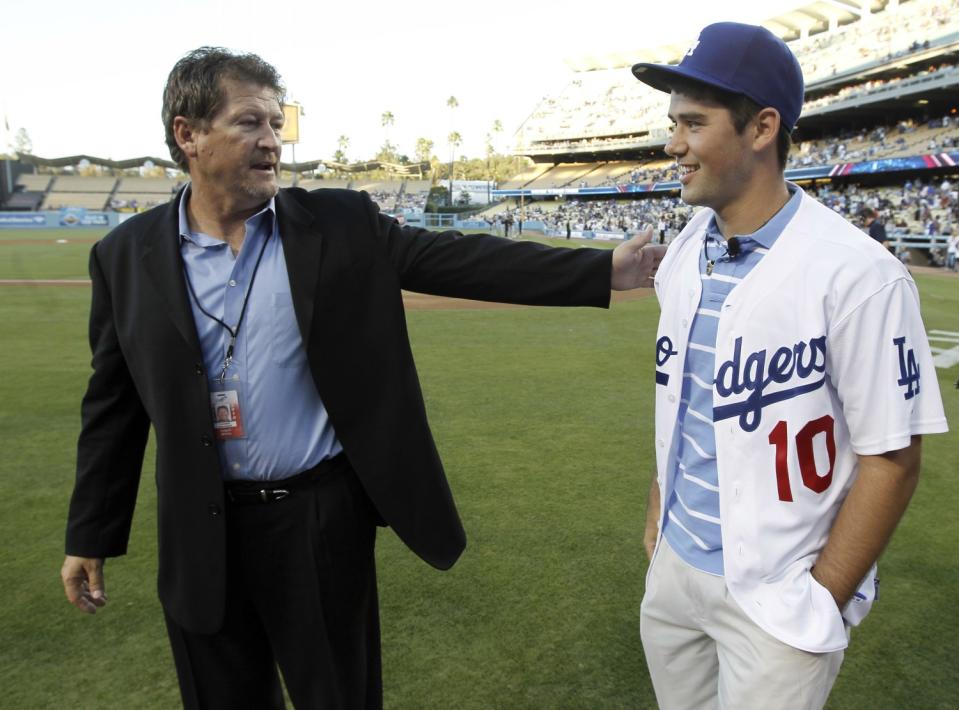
pixel 821 355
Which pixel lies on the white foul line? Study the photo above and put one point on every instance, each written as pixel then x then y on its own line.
pixel 944 358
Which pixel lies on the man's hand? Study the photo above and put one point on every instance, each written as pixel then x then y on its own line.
pixel 867 518
pixel 635 262
pixel 83 582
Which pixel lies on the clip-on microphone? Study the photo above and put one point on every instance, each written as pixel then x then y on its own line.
pixel 732 247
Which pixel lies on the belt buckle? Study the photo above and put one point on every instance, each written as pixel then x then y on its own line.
pixel 272 495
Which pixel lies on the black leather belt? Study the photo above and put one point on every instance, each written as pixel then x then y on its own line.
pixel 262 492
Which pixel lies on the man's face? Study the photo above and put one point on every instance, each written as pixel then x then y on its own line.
pixel 714 160
pixel 238 154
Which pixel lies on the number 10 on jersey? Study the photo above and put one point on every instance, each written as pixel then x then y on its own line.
pixel 803 441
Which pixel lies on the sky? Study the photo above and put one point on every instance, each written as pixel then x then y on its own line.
pixel 87 78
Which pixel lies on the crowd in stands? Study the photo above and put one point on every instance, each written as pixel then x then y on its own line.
pixel 915 207
pixel 907 137
pixel 893 32
pixel 594 105
pixel 877 86
pixel 659 171
pixel 666 215
pixel 402 202
pixel 122 203
pixel 48 192
pixel 608 107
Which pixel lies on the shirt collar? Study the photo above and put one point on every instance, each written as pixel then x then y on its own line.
pixel 205 240
pixel 767 234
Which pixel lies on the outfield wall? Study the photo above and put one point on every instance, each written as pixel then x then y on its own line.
pixel 55 219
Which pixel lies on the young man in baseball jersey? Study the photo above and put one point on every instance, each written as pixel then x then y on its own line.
pixel 793 382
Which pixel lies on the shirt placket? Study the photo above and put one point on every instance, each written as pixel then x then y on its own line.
pixel 237 451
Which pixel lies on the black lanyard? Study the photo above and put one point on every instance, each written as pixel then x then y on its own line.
pixel 234 332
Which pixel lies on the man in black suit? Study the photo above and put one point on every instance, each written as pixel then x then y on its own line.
pixel 285 307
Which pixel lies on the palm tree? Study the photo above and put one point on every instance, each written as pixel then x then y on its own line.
pixel 387 119
pixel 341 145
pixel 388 151
pixel 452 103
pixel 497 128
pixel 491 150
pixel 455 140
pixel 424 146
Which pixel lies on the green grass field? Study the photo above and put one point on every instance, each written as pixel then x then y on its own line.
pixel 544 420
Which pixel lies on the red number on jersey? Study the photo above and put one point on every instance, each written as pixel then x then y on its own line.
pixel 779 437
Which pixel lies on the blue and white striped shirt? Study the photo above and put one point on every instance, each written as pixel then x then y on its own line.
pixel 692 524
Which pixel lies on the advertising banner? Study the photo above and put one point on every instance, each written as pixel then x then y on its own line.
pixel 68 218
pixel 22 219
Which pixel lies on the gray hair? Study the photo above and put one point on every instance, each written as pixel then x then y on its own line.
pixel 194 88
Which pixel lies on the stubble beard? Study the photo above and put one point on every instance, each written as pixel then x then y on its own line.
pixel 258 192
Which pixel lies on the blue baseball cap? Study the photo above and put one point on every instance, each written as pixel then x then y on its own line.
pixel 742 59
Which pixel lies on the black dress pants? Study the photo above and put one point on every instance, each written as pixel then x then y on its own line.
pixel 301 596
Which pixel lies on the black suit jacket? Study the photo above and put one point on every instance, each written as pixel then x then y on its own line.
pixel 346 264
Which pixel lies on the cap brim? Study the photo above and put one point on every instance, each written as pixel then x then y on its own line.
pixel 658 76
pixel 653 74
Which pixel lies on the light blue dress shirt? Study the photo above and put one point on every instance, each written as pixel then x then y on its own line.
pixel 287 427
pixel 692 525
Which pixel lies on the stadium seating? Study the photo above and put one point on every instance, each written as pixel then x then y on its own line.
pixel 891 141
pixel 142 185
pixel 80 183
pixel 24 201
pixel 527 176
pixel 34 183
pixel 606 107
pixel 90 192
pixel 562 175
pixel 88 200
pixel 608 173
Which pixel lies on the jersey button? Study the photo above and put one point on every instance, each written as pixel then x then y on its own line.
pixel 659 442
pixel 213 509
pixel 232 282
pixel 198 369
pixel 672 398
pixel 206 440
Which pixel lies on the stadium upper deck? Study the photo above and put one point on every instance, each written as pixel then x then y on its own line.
pixel 879 58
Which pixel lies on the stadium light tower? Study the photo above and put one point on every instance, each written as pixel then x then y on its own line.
pixel 291 130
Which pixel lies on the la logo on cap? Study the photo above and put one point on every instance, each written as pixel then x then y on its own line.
pixel 692 49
